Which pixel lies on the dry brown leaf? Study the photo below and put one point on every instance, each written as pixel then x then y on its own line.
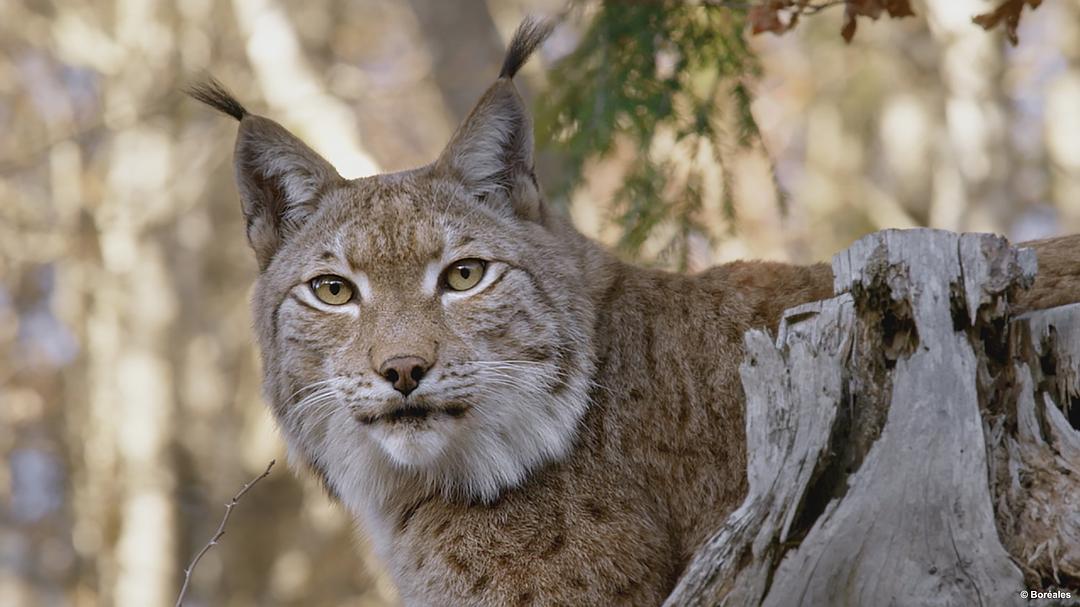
pixel 769 16
pixel 766 18
pixel 1007 13
pixel 873 10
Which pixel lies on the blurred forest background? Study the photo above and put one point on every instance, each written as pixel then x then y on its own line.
pixel 129 388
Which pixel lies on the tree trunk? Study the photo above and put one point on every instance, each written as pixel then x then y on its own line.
pixel 460 70
pixel 294 90
pixel 972 160
pixel 909 443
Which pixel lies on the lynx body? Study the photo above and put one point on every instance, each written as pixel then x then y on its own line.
pixel 513 415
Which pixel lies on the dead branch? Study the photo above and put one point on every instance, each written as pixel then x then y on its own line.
pixel 220 531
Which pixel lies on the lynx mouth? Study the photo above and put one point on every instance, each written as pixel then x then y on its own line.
pixel 413 413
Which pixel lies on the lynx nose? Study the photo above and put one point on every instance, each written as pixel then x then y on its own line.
pixel 404 372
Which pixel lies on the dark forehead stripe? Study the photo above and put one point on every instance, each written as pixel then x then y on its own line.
pixel 538 287
pixel 461 241
pixel 275 316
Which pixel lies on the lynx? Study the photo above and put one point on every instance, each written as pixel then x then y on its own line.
pixel 514 416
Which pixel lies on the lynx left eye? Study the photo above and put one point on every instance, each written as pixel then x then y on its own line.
pixel 332 290
pixel 463 275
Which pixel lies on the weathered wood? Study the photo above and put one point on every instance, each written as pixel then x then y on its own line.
pixel 906 444
pixel 790 419
pixel 1039 494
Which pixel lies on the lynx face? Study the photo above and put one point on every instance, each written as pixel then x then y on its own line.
pixel 419 333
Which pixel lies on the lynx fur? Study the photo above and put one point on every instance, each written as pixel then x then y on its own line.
pixel 577 428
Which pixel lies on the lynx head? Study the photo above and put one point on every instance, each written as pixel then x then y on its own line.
pixel 426 330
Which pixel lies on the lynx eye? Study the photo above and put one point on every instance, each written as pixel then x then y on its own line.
pixel 464 274
pixel 333 290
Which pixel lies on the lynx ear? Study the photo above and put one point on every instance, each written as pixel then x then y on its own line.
pixel 492 150
pixel 494 145
pixel 280 179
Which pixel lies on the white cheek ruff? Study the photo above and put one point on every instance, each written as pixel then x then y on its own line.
pixel 507 433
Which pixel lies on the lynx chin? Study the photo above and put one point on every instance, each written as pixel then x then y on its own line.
pixel 512 414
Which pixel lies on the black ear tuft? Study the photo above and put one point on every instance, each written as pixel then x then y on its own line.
pixel 281 180
pixel 529 35
pixel 211 92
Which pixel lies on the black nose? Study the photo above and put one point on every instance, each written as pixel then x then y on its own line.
pixel 404 372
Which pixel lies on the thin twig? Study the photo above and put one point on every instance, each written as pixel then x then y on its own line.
pixel 220 531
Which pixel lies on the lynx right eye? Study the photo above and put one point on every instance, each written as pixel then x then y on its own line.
pixel 332 290
pixel 464 274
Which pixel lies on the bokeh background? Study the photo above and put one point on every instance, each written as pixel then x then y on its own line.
pixel 129 388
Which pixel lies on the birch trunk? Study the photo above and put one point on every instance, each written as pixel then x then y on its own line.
pixel 294 91
pixel 130 308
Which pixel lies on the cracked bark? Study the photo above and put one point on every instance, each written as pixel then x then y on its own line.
pixel 909 442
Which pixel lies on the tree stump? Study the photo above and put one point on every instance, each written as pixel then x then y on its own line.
pixel 908 441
